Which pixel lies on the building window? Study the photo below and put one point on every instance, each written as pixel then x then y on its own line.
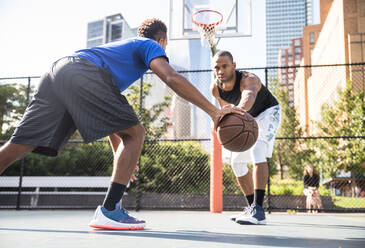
pixel 116 31
pixel 311 38
pixel 297 42
pixel 95 29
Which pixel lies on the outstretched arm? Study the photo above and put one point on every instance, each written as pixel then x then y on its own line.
pixel 215 93
pixel 186 90
pixel 250 85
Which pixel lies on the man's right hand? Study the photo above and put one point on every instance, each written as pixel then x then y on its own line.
pixel 219 114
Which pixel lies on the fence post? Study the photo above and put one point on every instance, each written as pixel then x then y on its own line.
pixel 139 192
pixel 18 199
pixel 266 78
pixel 268 160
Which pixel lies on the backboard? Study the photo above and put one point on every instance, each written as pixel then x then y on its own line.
pixel 236 18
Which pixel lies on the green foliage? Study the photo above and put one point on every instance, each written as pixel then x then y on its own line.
pixel 230 185
pixel 289 153
pixel 344 117
pixel 348 202
pixel 285 186
pixel 291 187
pixel 13 101
pixel 76 159
pixel 154 122
pixel 174 167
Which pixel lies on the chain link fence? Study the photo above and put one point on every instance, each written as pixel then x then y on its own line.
pixel 174 167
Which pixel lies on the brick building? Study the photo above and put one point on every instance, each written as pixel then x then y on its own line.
pixel 338 39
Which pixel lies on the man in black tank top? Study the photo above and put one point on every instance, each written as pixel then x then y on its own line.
pixel 245 90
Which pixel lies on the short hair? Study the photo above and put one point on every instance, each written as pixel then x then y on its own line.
pixel 152 28
pixel 222 53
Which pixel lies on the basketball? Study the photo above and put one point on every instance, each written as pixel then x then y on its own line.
pixel 237 133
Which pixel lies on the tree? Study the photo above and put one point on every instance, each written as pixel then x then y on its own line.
pixel 13 101
pixel 289 153
pixel 155 124
pixel 344 117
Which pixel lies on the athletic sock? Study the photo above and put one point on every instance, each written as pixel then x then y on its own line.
pixel 114 194
pixel 259 196
pixel 250 199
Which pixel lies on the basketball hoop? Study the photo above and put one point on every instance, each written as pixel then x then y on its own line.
pixel 207 22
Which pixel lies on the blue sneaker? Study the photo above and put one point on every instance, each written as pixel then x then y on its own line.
pixel 117 219
pixel 255 217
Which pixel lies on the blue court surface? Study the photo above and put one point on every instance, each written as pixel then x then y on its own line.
pixel 68 228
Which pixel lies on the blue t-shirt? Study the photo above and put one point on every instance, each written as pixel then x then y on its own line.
pixel 125 60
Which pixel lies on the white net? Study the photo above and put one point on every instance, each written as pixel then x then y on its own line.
pixel 207 33
pixel 207 22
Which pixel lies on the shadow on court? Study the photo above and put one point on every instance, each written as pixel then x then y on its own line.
pixel 338 227
pixel 50 228
pixel 202 236
pixel 242 239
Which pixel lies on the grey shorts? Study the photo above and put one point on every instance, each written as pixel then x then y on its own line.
pixel 75 94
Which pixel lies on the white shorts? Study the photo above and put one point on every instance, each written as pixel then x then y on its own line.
pixel 268 122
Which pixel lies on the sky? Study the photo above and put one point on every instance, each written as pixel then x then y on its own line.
pixel 35 33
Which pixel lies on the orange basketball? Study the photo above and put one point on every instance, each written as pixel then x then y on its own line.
pixel 237 133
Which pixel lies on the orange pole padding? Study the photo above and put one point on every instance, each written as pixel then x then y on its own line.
pixel 216 178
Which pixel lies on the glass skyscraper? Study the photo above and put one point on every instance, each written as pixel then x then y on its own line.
pixel 284 21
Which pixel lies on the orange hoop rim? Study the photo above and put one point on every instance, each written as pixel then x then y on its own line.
pixel 209 24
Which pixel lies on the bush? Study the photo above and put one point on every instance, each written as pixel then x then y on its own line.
pixel 230 185
pixel 174 167
pixel 291 187
pixel 77 159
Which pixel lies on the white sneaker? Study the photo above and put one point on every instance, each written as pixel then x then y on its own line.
pixel 245 212
pixel 256 216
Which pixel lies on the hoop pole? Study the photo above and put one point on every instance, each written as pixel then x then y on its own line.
pixel 216 178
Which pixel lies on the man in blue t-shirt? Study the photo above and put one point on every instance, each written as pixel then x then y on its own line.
pixel 82 92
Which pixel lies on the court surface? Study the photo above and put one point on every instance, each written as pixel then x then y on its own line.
pixel 68 228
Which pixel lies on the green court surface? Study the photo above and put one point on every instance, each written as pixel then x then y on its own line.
pixel 68 228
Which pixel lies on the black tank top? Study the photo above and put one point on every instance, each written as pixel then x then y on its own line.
pixel 263 101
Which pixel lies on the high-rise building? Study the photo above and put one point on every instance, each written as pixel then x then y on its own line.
pixel 289 57
pixel 111 28
pixel 284 21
